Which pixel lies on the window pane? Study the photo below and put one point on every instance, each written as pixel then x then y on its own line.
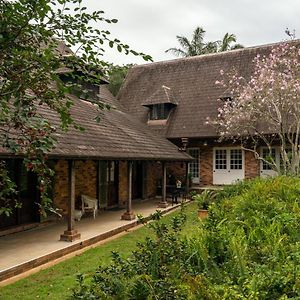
pixel 236 159
pixel 268 157
pixel 194 166
pixel 160 111
pixel 220 159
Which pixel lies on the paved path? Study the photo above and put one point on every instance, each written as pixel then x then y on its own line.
pixel 23 247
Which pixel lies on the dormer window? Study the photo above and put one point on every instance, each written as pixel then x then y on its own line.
pixel 84 90
pixel 160 111
pixel 160 105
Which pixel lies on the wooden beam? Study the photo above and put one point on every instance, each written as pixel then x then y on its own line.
pixel 71 234
pixel 98 181
pixel 187 184
pixel 163 202
pixel 129 215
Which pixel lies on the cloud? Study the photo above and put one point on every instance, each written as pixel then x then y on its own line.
pixel 152 26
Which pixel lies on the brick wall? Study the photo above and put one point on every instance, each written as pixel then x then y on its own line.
pixel 252 167
pixel 85 179
pixel 206 166
pixel 178 170
pixel 61 181
pixel 85 182
pixel 154 175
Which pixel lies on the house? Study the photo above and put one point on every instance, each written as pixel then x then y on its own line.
pixel 115 161
pixel 159 121
pixel 175 98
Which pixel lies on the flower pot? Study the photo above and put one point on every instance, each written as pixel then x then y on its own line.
pixel 202 213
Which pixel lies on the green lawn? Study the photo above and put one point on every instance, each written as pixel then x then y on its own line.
pixel 57 282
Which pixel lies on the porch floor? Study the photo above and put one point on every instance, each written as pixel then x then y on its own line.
pixel 25 250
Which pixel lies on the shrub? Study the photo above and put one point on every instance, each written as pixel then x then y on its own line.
pixel 205 199
pixel 248 248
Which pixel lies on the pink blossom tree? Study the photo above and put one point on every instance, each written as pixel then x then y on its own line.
pixel 264 110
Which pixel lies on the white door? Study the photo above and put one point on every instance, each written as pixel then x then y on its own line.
pixel 228 165
pixel 194 167
pixel 266 169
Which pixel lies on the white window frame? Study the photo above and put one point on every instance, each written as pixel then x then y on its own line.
pixel 228 175
pixel 195 180
pixel 271 172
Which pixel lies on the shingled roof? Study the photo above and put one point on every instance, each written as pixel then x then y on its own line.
pixel 117 136
pixel 161 96
pixel 193 80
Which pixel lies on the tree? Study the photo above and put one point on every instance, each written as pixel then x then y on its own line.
pixel 197 45
pixel 226 42
pixel 35 41
pixel 116 76
pixel 264 110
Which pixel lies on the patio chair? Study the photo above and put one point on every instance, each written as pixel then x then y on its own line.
pixel 89 204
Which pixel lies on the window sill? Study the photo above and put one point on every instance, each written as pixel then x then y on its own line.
pixel 157 122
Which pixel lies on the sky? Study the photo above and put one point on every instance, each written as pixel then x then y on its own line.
pixel 151 26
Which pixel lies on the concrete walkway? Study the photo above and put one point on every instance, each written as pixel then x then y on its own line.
pixel 23 251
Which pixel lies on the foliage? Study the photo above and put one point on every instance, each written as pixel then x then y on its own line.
pixel 153 271
pixel 57 281
pixel 8 195
pixel 204 199
pixel 197 45
pixel 252 240
pixel 264 109
pixel 116 76
pixel 248 248
pixel 35 37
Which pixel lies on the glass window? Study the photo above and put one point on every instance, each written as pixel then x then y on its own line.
pixel 236 159
pixel 220 159
pixel 269 157
pixel 112 171
pixel 160 111
pixel 194 166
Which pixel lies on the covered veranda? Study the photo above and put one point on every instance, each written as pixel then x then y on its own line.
pixel 29 249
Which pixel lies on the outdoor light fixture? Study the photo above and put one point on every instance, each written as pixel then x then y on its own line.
pixel 205 143
pixel 184 142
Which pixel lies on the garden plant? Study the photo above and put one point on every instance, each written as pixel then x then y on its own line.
pixel 248 248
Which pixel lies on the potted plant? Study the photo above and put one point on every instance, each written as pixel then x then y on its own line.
pixel 203 201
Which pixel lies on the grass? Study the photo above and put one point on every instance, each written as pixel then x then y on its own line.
pixel 57 281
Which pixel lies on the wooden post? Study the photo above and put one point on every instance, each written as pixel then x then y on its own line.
pixel 187 184
pixel 71 234
pixel 163 203
pixel 129 215
pixel 98 182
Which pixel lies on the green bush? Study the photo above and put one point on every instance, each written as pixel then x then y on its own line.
pixel 248 248
pixel 204 199
pixel 253 240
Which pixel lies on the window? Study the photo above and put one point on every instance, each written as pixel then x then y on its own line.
pixel 221 159
pixel 160 111
pixel 228 165
pixel 82 89
pixel 194 167
pixel 228 159
pixel 268 156
pixel 236 159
